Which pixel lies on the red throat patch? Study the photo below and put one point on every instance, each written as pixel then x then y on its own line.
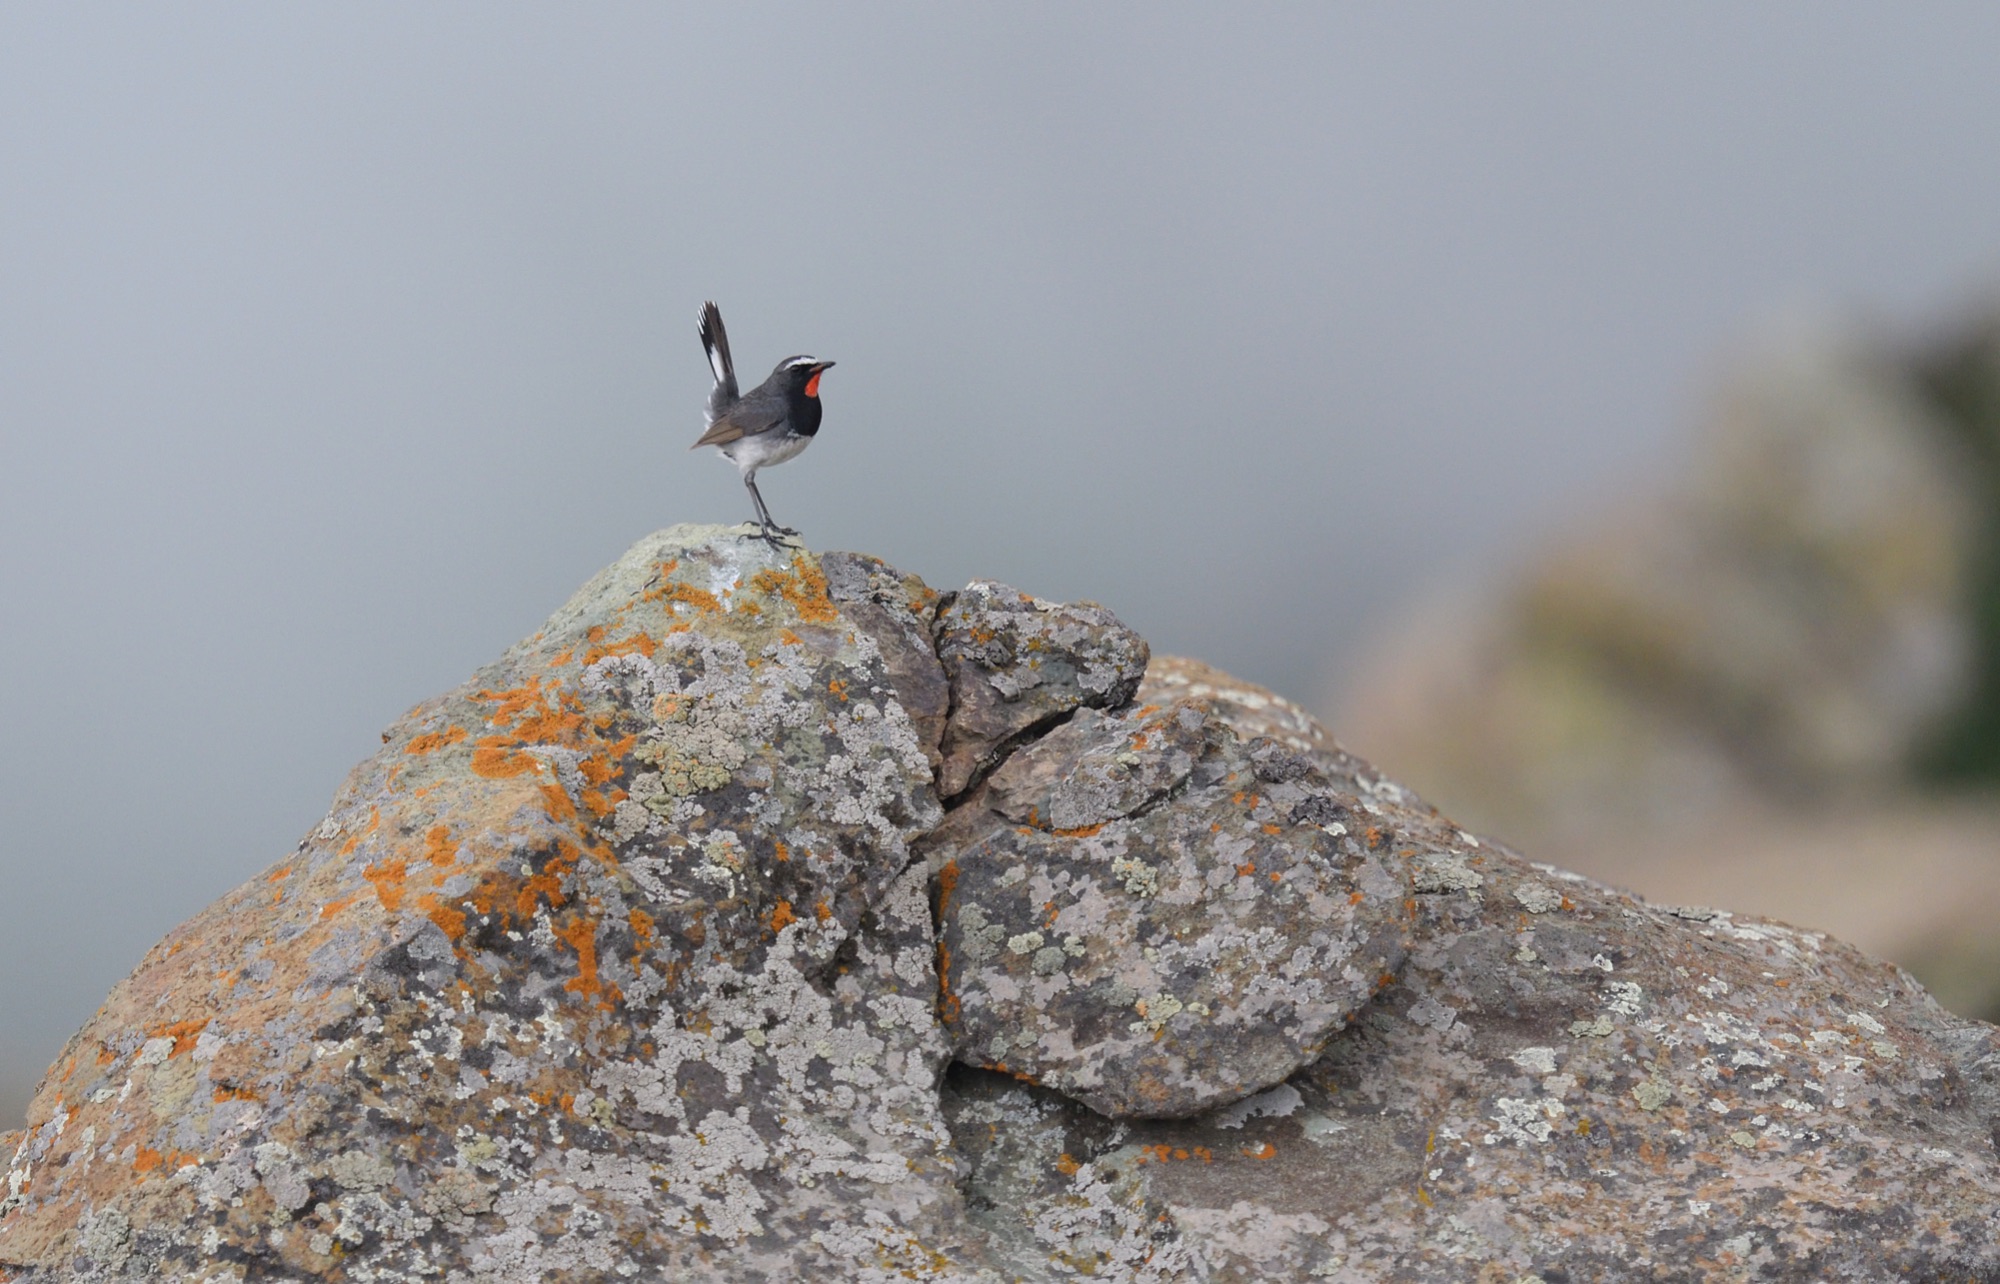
pixel 812 384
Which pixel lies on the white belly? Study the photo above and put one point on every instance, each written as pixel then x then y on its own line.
pixel 764 449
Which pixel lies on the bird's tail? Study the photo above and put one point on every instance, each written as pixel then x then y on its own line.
pixel 715 340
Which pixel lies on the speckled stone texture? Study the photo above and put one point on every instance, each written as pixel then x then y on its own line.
pixel 621 962
pixel 614 962
pixel 1154 916
pixel 1017 664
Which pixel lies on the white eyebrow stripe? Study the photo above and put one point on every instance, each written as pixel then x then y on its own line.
pixel 802 361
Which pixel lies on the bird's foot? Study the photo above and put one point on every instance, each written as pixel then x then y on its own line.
pixel 770 535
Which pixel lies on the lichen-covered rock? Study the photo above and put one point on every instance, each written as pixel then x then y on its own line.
pixel 612 962
pixel 1564 1084
pixel 1248 709
pixel 1017 663
pixel 1154 958
pixel 620 961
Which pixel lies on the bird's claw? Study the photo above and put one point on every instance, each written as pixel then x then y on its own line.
pixel 770 535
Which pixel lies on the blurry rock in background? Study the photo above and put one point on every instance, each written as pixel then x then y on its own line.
pixel 1774 686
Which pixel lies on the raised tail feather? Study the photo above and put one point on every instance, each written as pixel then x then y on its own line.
pixel 715 341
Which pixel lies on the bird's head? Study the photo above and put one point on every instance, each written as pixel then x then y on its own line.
pixel 801 374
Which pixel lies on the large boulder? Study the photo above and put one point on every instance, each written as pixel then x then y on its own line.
pixel 623 960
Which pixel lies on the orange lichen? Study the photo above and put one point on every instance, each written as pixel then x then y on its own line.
pixel 1273 829
pixel 1081 831
pixel 1161 1154
pixel 643 929
pixel 1265 1151
pixel 333 907
pixel 948 1005
pixel 556 801
pixel 388 875
pixel 513 702
pixel 839 689
pixel 556 724
pixel 374 823
pixel 633 644
pixel 781 915
pixel 672 591
pixel 496 759
pixel 947 884
pixel 431 741
pixel 282 871
pixel 438 847
pixel 581 935
pixel 822 911
pixel 687 595
pixel 803 586
pixel 148 1159
pixel 1246 869
pixel 183 1033
pixel 1067 1165
pixel 545 884
pixel 450 921
pixel 601 767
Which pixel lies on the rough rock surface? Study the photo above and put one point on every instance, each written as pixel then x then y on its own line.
pixel 1017 664
pixel 620 961
pixel 1152 915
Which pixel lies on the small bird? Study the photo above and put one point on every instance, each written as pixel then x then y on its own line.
pixel 765 426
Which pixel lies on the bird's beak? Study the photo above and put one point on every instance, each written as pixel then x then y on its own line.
pixel 823 365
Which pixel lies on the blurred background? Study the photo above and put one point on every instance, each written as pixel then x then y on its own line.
pixel 1595 412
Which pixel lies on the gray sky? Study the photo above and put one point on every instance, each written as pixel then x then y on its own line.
pixel 338 344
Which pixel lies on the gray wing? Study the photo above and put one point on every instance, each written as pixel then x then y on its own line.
pixel 744 419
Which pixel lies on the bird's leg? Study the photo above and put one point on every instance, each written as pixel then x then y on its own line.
pixel 768 530
pixel 763 513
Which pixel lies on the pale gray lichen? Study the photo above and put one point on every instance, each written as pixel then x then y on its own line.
pixel 1442 872
pixel 1538 898
pixel 1135 875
